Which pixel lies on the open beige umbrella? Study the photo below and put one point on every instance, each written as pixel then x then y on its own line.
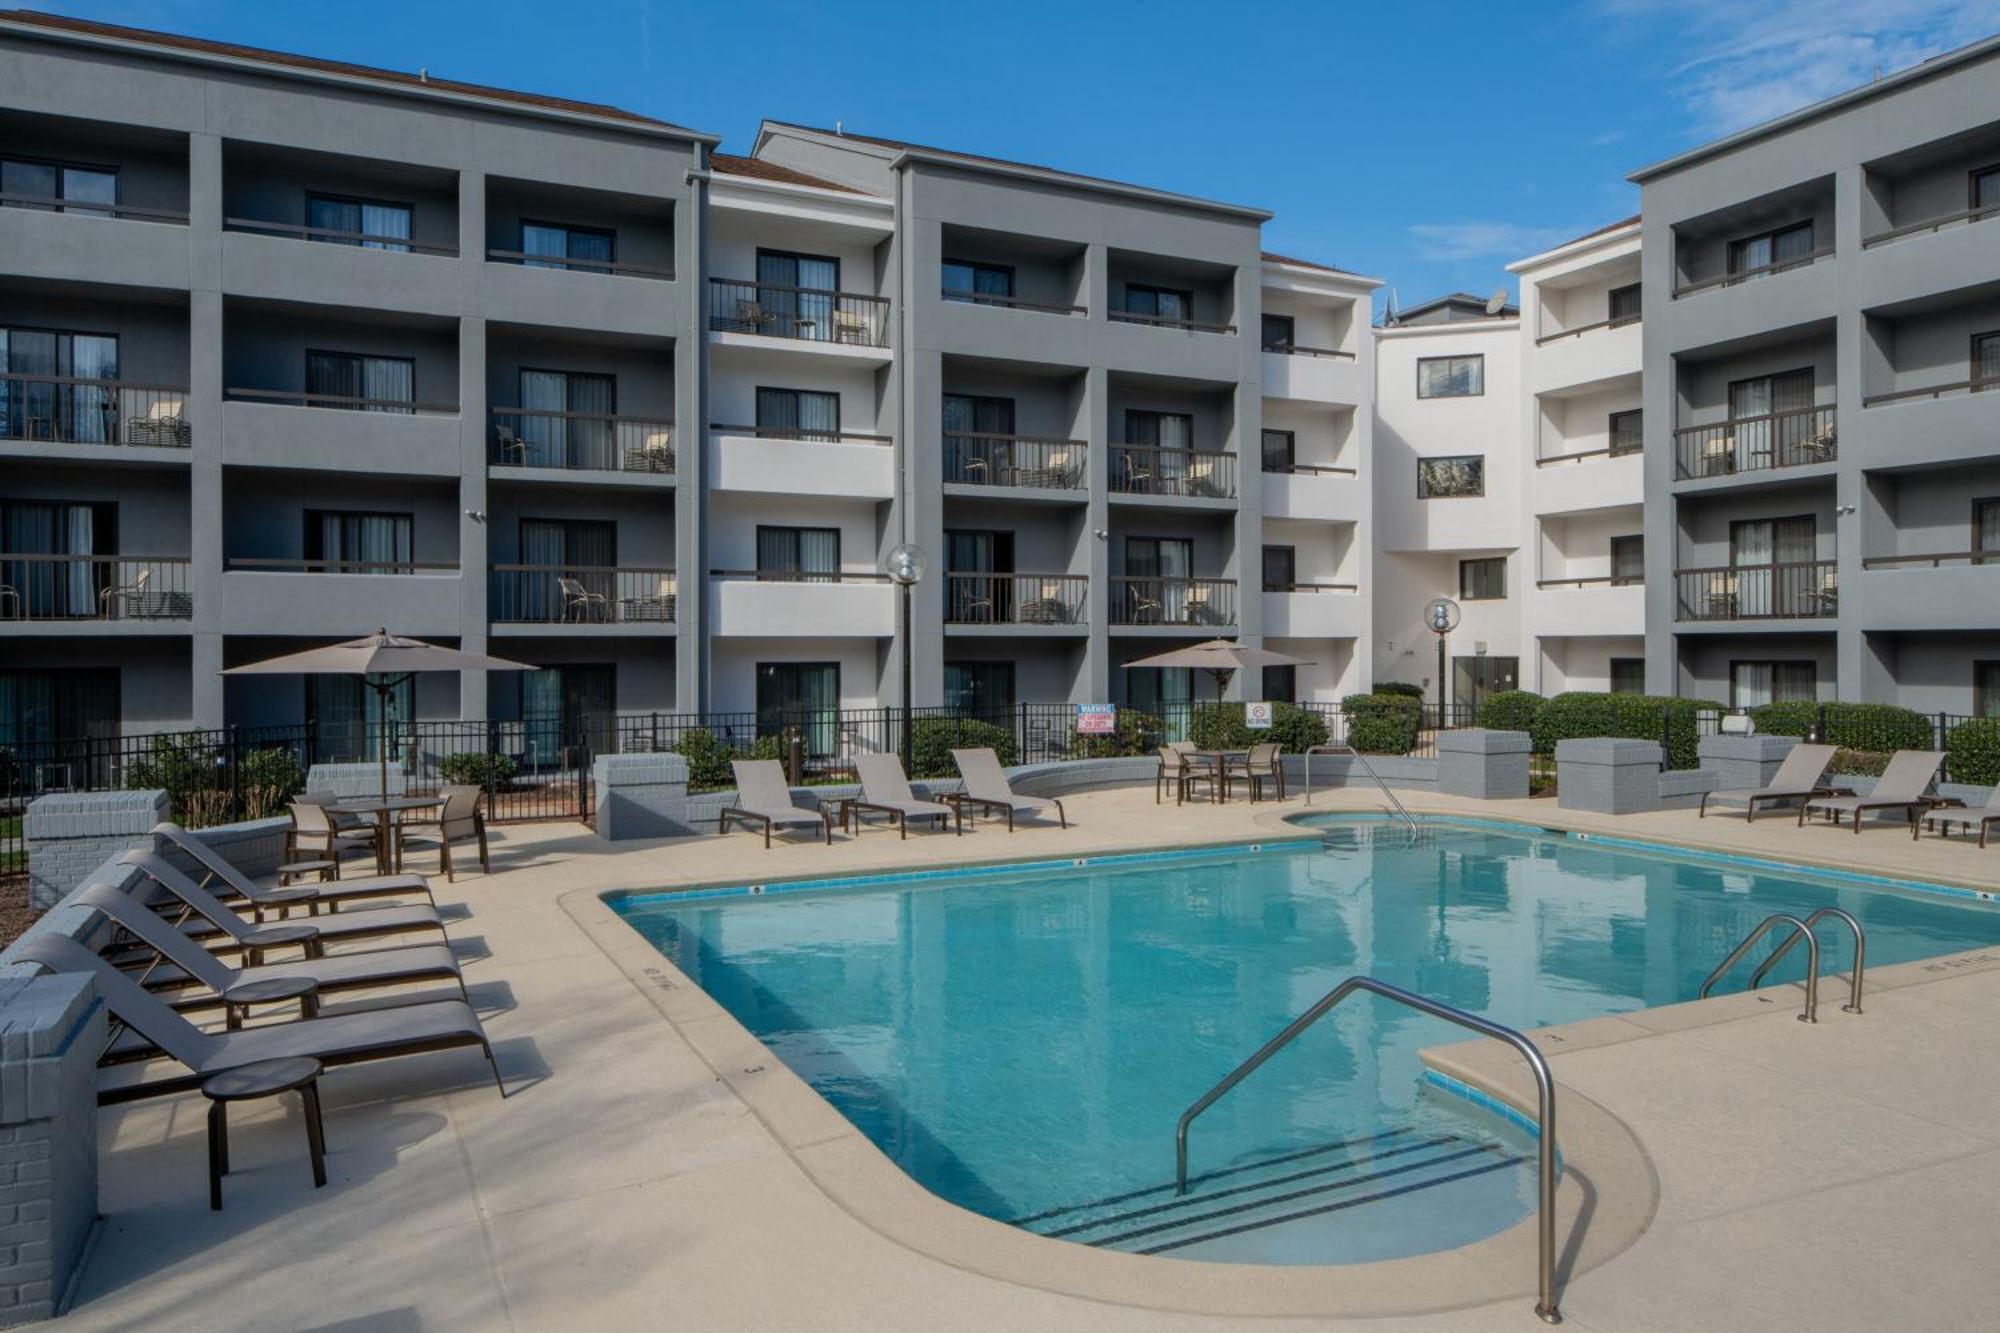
pixel 384 659
pixel 1219 657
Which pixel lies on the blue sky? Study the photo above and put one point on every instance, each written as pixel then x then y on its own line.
pixel 1426 143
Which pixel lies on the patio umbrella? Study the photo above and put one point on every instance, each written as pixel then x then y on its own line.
pixel 1219 657
pixel 380 654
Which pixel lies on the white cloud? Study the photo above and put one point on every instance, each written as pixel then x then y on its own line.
pixel 1450 242
pixel 1740 64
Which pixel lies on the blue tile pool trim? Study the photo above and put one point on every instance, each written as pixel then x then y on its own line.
pixel 627 901
pixel 1484 1100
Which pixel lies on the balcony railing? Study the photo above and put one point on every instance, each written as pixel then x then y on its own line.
pixel 804 433
pixel 290 565
pixel 579 441
pixel 1938 223
pixel 62 409
pixel 1172 601
pixel 1756 444
pixel 346 402
pixel 1581 329
pixel 1806 590
pixel 40 203
pixel 1015 599
pixel 364 240
pixel 615 267
pixel 977 458
pixel 1169 322
pixel 1932 560
pixel 1299 349
pixel 1595 581
pixel 1989 384
pixel 1751 274
pixel 1296 586
pixel 1308 470
pixel 581 595
pixel 810 314
pixel 1143 469
pixel 1012 302
pixel 94 587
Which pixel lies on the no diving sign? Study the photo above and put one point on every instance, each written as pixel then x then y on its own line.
pixel 1257 715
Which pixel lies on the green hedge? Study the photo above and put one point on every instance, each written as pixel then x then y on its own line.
pixel 1510 710
pixel 1401 688
pixel 1383 723
pixel 495 772
pixel 708 757
pixel 1580 714
pixel 1972 751
pixel 1138 733
pixel 1220 726
pixel 202 792
pixel 932 739
pixel 1869 727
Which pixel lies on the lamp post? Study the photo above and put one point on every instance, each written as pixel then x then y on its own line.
pixel 905 565
pixel 1441 616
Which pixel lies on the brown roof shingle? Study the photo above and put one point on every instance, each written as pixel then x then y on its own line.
pixel 1304 263
pixel 175 41
pixel 729 164
pixel 1607 227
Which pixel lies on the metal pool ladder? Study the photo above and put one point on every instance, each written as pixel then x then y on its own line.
pixel 1545 1118
pixel 1799 930
pixel 1367 768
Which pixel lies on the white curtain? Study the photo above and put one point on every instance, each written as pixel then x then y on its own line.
pixel 389 378
pixel 544 436
pixel 1752 549
pixel 81 575
pixel 385 220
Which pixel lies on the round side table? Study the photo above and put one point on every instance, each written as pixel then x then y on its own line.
pixel 262 1078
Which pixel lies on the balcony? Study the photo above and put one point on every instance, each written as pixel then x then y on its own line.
pixel 1016 599
pixel 1142 469
pixel 1323 610
pixel 1169 322
pixel 962 297
pixel 103 588
pixel 619 268
pixel 1311 491
pixel 804 314
pixel 1173 602
pixel 579 596
pixel 61 409
pixel 580 441
pixel 1805 590
pixel 382 242
pixel 1756 444
pixel 783 460
pixel 1593 606
pixel 1026 462
pixel 786 604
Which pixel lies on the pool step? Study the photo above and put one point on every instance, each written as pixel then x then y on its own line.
pixel 1290 1189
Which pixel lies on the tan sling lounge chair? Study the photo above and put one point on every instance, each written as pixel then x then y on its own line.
pixel 1798 778
pixel 1902 786
pixel 340 928
pixel 886 790
pixel 764 797
pixel 338 893
pixel 987 788
pixel 1967 820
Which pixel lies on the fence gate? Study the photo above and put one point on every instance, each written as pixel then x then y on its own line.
pixel 531 771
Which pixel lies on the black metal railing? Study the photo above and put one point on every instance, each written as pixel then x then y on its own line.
pixel 94 587
pixel 580 441
pixel 1592 327
pixel 616 268
pixel 1752 274
pixel 1938 223
pixel 1169 322
pixel 341 401
pixel 1143 469
pixel 66 409
pixel 1802 590
pixel 1299 349
pixel 581 595
pixel 1011 302
pixel 1983 384
pixel 1138 600
pixel 807 313
pixel 1931 560
pixel 1016 599
pixel 1308 470
pixel 42 203
pixel 978 458
pixel 802 433
pixel 364 240
pixel 244 564
pixel 1755 444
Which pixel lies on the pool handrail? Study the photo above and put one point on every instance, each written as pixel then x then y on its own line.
pixel 1853 1005
pixel 1545 1118
pixel 1366 767
pixel 1764 927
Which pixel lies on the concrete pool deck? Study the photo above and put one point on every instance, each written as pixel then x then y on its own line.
pixel 1841 1176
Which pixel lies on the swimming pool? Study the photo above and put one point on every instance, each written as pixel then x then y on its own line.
pixel 1021 1039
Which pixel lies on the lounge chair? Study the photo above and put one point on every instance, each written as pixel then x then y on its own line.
pixel 987 788
pixel 335 894
pixel 1980 817
pixel 1799 778
pixel 764 797
pixel 1901 787
pixel 886 790
pixel 374 1034
pixel 186 965
pixel 340 928
pixel 459 817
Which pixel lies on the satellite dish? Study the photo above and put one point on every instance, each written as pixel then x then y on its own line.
pixel 1497 302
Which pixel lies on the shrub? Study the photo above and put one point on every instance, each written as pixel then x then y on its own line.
pixel 708 756
pixel 191 769
pixel 1383 723
pixel 1872 727
pixel 1579 714
pixel 266 780
pixel 932 739
pixel 1510 710
pixel 1220 726
pixel 1401 688
pixel 1972 751
pixel 1871 762
pixel 1138 733
pixel 494 772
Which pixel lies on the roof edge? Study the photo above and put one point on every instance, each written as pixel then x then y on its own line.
pixel 1617 233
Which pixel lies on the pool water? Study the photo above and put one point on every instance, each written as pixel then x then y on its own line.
pixel 1022 1041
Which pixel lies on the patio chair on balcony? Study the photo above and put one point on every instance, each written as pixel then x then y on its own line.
pixel 1142 608
pixel 1140 475
pixel 1719 458
pixel 654 454
pixel 512 448
pixel 1199 610
pixel 125 599
pixel 164 423
pixel 581 606
pixel 751 317
pixel 656 607
pixel 10 602
pixel 852 326
pixel 1201 478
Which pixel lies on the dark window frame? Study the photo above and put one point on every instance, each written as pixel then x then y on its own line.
pixel 1771 378
pixel 410 361
pixel 824 437
pixel 1972 367
pixel 982 666
pixel 1156 291
pixel 1611 432
pixel 799 575
pixel 1291 556
pixel 568 229
pixel 61 165
pixel 767 252
pixel 568 375
pixel 1617 580
pixel 1979 552
pixel 1808 663
pixel 1476 358
pixel 1425 494
pixel 1287 694
pixel 1773 520
pixel 313 545
pixel 1291 460
pixel 1611 668
pixel 406 242
pixel 821 733
pixel 1972 179
pixel 1982 706
pixel 1487 562
pixel 1286 344
pixel 1734 245
pixel 973 295
pixel 1636 291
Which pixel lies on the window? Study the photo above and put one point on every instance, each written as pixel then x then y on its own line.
pixel 797 294
pixel 57 589
pixel 38 408
pixel 798 414
pixel 1628 675
pixel 1281 684
pixel 1628 560
pixel 1281 568
pixel 1280 333
pixel 359 542
pixel 1164 430
pixel 70 704
pixel 1985 690
pixel 1449 478
pixel 1170 305
pixel 347 718
pixel 1772 420
pixel 57 187
pixel 805 695
pixel 1451 376
pixel 1166 693
pixel 1482 580
pixel 1985 530
pixel 371 383
pixel 566 419
pixel 1771 250
pixel 386 225
pixel 1281 448
pixel 798 555
pixel 1773 567
pixel 1628 432
pixel 1985 187
pixel 1474 678
pixel 978 439
pixel 983 689
pixel 583 551
pixel 1622 304
pixel 560 707
pixel 549 244
pixel 1985 361
pixel 1755 683
pixel 965 280
pixel 1157 570
pixel 978 564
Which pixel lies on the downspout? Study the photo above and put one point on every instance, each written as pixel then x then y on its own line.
pixel 694 511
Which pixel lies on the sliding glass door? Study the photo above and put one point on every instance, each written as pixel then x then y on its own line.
pixel 798 293
pixel 566 419
pixel 805 695
pixel 42 409
pixel 1765 436
pixel 1772 559
pixel 51 589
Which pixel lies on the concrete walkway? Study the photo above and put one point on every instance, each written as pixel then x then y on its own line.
pixel 1836 1177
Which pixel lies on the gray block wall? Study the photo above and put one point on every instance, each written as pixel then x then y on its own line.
pixel 1485 765
pixel 1744 763
pixel 356 780
pixel 54 1026
pixel 71 834
pixel 1622 777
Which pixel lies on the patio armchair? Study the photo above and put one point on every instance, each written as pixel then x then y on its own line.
pixel 164 422
pixel 654 453
pixel 1175 769
pixel 513 450
pixel 315 833
pixel 1201 476
pixel 1799 778
pixel 1904 785
pixel 458 818
pixel 1265 763
pixel 987 788
pixel 763 797
pixel 580 604
pixel 122 599
pixel 885 790
pixel 852 326
pixel 1718 459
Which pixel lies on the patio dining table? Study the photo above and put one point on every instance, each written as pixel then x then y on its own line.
pixel 1218 762
pixel 386 814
